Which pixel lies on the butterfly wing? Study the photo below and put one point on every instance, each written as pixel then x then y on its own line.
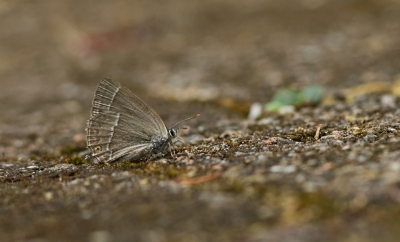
pixel 111 96
pixel 121 125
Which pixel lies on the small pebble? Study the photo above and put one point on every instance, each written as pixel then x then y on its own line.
pixel 100 236
pixel 32 167
pixel 255 111
pixel 286 110
pixel 388 101
pixel 370 137
pixel 283 169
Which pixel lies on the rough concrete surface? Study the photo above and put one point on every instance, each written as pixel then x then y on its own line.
pixel 327 172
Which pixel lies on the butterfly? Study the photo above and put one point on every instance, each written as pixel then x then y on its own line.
pixel 123 127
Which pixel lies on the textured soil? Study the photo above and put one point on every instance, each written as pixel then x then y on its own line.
pixel 327 172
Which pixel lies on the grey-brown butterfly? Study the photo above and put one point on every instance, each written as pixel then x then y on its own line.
pixel 123 127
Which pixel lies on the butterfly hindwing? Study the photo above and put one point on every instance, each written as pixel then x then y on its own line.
pixel 111 136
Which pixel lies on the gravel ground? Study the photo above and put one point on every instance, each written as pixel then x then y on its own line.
pixel 329 172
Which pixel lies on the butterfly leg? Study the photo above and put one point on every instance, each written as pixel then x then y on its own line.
pixel 172 149
pixel 179 139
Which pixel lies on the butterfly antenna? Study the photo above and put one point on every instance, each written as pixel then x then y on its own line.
pixel 195 116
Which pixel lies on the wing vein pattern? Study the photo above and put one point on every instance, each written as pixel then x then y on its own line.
pixel 121 125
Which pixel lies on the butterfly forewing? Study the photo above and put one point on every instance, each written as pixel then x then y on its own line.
pixel 111 96
pixel 121 124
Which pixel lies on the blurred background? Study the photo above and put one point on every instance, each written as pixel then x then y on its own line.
pixel 213 57
pixel 217 58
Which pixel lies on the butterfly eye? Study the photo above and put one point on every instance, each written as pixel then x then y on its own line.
pixel 172 132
